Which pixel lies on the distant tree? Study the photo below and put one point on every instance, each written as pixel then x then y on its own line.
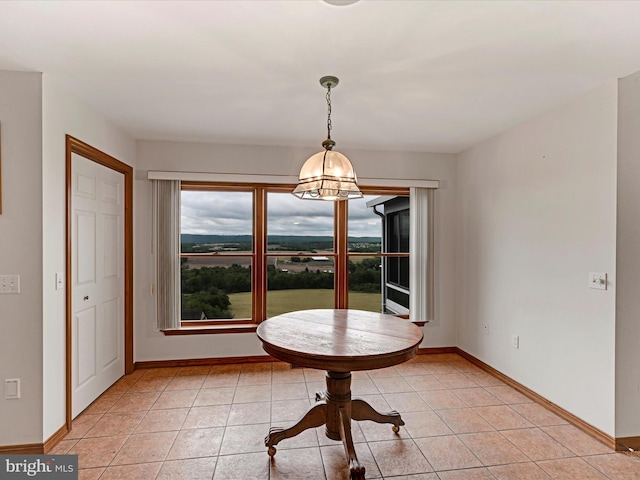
pixel 278 280
pixel 365 276
pixel 213 303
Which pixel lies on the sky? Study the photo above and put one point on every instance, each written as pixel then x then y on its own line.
pixel 229 213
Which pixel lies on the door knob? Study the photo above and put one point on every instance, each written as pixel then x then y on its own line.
pixel 86 297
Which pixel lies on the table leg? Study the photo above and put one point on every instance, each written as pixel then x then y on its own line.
pixel 336 409
pixel 315 417
pixel 361 410
pixel 355 467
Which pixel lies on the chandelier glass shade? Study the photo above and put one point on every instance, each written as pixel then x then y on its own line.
pixel 327 175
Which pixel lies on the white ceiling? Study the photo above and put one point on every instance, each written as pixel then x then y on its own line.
pixel 416 75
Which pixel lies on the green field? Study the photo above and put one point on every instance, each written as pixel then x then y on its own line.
pixel 282 301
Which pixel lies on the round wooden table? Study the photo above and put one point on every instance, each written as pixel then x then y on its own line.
pixel 338 341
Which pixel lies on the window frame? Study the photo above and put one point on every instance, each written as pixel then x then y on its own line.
pixel 260 255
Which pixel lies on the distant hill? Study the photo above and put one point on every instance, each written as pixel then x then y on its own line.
pixel 191 238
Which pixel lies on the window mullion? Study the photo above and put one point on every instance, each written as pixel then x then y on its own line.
pixel 341 246
pixel 259 277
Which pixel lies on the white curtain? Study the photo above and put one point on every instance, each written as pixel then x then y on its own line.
pixel 421 272
pixel 166 248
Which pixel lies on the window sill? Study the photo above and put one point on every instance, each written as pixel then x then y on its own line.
pixel 212 329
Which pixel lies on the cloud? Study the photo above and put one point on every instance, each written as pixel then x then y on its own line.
pixel 216 213
pixel 229 213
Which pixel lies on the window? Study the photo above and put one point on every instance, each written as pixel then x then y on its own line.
pixel 300 254
pixel 396 287
pixel 249 252
pixel 216 255
pixel 390 215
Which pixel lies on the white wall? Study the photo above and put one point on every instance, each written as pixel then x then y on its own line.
pixel 628 259
pixel 536 213
pixel 63 114
pixel 197 157
pixel 21 253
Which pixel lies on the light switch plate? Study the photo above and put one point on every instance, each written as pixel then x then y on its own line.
pixel 598 280
pixel 12 388
pixel 59 281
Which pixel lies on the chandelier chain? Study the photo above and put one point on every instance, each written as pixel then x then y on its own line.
pixel 328 111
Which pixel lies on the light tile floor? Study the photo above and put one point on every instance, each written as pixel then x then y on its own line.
pixel 197 423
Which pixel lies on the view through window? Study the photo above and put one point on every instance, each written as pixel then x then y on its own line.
pixel 301 258
pixel 249 253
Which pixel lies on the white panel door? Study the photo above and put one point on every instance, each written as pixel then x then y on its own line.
pixel 97 267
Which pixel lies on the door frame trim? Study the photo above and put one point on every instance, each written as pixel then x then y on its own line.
pixel 73 145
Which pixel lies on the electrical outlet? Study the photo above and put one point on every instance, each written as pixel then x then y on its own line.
pixel 9 283
pixel 515 341
pixel 598 280
pixel 486 329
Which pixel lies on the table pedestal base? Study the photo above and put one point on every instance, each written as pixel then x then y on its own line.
pixel 335 409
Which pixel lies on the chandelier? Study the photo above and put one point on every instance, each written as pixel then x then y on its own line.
pixel 327 175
